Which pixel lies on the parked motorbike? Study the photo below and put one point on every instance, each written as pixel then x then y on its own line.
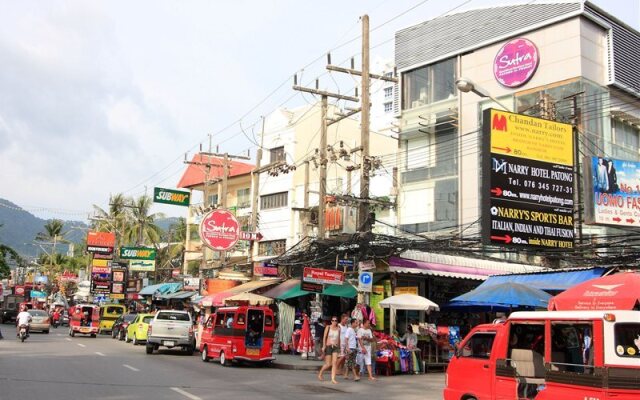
pixel 22 335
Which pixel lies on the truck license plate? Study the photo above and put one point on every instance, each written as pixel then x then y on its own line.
pixel 169 343
pixel 85 330
pixel 253 352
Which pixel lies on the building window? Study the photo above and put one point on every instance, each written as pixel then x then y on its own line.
pixel 388 107
pixel 389 74
pixel 429 84
pixel 275 200
pixel 272 247
pixel 243 198
pixel 212 200
pixel 277 154
pixel 388 92
pixel 626 135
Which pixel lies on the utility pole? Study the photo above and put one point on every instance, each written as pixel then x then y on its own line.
pixel 256 191
pixel 364 222
pixel 305 204
pixel 324 123
pixel 576 118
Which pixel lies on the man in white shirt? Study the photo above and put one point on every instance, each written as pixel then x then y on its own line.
pixel 344 324
pixel 24 318
pixel 352 348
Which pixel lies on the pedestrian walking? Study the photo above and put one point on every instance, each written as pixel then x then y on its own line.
pixel 352 349
pixel 331 350
pixel 344 324
pixel 365 337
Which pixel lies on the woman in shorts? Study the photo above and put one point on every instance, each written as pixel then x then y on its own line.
pixel 331 349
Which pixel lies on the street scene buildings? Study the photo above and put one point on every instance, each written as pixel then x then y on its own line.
pixel 472 198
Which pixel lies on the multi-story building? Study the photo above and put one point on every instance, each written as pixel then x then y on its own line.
pixel 203 177
pixel 291 141
pixel 579 50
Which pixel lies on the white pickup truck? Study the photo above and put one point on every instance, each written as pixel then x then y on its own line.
pixel 171 328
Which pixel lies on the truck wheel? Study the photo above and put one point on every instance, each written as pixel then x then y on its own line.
pixel 113 334
pixel 126 338
pixel 189 350
pixel 93 335
pixel 120 335
pixel 72 333
pixel 47 331
pixel 149 348
pixel 203 355
pixel 135 341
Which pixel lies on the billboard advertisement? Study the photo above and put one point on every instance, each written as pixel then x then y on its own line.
pixel 170 196
pixel 137 253
pixel 219 230
pixel 613 192
pixel 528 187
pixel 142 265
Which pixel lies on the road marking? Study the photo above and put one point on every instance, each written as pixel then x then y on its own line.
pixel 185 394
pixel 130 367
pixel 81 345
pixel 100 354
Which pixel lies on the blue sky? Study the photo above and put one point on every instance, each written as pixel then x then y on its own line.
pixel 106 97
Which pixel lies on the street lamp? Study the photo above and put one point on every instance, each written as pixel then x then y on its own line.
pixel 467 85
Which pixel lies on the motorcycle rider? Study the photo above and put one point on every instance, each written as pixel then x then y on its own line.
pixel 24 318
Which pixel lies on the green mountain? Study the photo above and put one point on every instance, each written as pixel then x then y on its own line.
pixel 19 228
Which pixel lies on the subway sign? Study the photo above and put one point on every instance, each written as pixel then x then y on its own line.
pixel 169 196
pixel 137 253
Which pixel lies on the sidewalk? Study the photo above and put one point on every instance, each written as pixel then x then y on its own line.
pixel 296 362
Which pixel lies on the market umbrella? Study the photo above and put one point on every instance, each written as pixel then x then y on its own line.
pixel 406 302
pixel 305 345
pixel 612 292
pixel 507 294
pixel 250 298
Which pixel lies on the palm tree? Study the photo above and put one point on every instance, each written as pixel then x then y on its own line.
pixel 174 250
pixel 53 234
pixel 143 229
pixel 116 219
pixel 7 252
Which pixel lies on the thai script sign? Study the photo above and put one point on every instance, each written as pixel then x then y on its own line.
pixel 169 196
pixel 137 253
pixel 323 276
pixel 516 62
pixel 528 187
pixel 219 230
pixel 613 190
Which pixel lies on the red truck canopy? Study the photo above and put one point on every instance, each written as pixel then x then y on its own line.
pixel 613 292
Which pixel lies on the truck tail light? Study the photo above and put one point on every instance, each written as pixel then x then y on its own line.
pixel 234 348
pixel 610 317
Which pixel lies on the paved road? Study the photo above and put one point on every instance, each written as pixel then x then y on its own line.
pixel 56 366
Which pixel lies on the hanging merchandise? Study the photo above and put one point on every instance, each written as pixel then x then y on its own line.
pixel 286 316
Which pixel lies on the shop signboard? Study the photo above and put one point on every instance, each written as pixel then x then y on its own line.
pixel 100 270
pixel 137 253
pixel 117 296
pixel 100 249
pixel 101 287
pixel 191 283
pixel 170 196
pixel 117 288
pixel 612 192
pixel 366 265
pixel 103 256
pixel 100 263
pixel 528 187
pixel 219 230
pixel 118 274
pixel 346 264
pixel 266 269
pixel 101 239
pixel 406 290
pixel 375 297
pixel 311 287
pixel 18 290
pixel 516 62
pixel 142 265
pixel 365 282
pixel 323 276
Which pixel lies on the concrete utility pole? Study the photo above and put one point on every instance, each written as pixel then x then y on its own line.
pixel 576 119
pixel 255 177
pixel 324 123
pixel 365 107
pixel 305 228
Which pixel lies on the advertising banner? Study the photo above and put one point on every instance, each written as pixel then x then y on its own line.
pixel 613 192
pixel 528 188
pixel 406 290
pixel 100 249
pixel 311 287
pixel 101 239
pixel 142 265
pixel 266 269
pixel 219 230
pixel 191 284
pixel 323 276
pixel 100 270
pixel 516 62
pixel 376 296
pixel 170 196
pixel 137 253
pixel 118 275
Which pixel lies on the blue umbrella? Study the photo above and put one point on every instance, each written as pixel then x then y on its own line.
pixel 503 295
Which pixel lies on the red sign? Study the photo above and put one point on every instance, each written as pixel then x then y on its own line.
pixel 101 239
pixel 100 270
pixel 219 230
pixel 324 276
pixel 311 287
pixel 19 290
pixel 175 272
pixel 251 236
pixel 265 269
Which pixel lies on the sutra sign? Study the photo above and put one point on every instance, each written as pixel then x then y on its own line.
pixel 528 187
pixel 219 230
pixel 516 62
pixel 323 276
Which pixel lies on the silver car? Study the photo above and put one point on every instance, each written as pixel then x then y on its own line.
pixel 40 321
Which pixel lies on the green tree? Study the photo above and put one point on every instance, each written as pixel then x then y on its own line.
pixel 7 254
pixel 117 218
pixel 53 234
pixel 171 253
pixel 143 230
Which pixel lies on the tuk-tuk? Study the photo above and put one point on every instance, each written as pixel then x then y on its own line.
pixel 108 315
pixel 84 319
pixel 242 333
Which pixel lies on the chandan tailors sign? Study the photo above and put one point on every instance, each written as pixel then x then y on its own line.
pixel 528 187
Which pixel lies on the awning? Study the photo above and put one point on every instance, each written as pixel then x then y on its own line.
pixel 506 294
pixel 420 271
pixel 178 295
pixel 398 264
pixel 470 265
pixel 217 299
pixel 612 292
pixel 161 288
pixel 550 280
pixel 291 289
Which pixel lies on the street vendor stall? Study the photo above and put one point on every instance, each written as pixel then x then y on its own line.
pixel 406 302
